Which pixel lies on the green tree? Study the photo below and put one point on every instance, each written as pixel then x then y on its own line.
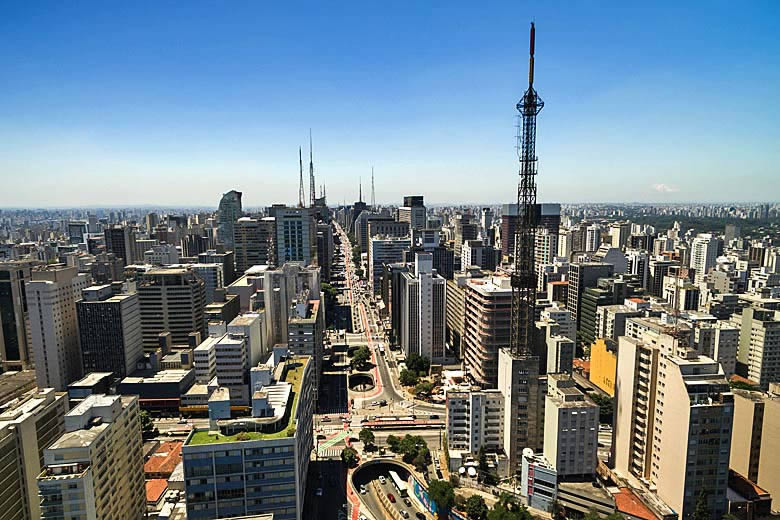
pixel 593 515
pixel 360 357
pixel 557 511
pixel 408 377
pixel 605 407
pixel 442 494
pixel 476 509
pixel 419 364
pixel 702 511
pixel 394 443
pixel 366 436
pixel 423 387
pixel 482 460
pixel 454 480
pixel 147 425
pixel 349 457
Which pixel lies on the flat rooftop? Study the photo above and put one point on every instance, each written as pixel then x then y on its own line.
pixel 293 376
pixel 173 375
pixel 90 380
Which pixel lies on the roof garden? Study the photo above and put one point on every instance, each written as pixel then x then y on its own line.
pixel 281 429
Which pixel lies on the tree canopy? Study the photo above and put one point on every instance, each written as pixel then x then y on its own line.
pixel 442 494
pixel 475 508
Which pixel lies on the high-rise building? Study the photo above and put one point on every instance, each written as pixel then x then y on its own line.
pixel 162 254
pixel 28 425
pixel 619 233
pixel 607 291
pixel 424 315
pixel 96 469
pixel 305 334
pixel 413 211
pixel 253 242
pixel 109 331
pixel 704 251
pixel 229 211
pixel 257 464
pixel 465 229
pixel 758 357
pixel 226 258
pixel 658 269
pixel 755 441
pixel 52 293
pixel 548 216
pixel 213 276
pixel 325 249
pixel 383 251
pixel 546 248
pixel 171 300
pixel 295 235
pixel 282 288
pixel 592 238
pixel 14 347
pixel 486 221
pixel 581 276
pixel 120 240
pixel 477 253
pixel 523 391
pixel 456 310
pixel 665 392
pixel 475 420
pixel 392 295
pixel 488 313
pixel 571 428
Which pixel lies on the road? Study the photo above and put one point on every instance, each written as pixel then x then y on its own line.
pixel 369 476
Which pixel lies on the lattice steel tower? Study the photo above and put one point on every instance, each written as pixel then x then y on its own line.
pixel 524 277
pixel 312 194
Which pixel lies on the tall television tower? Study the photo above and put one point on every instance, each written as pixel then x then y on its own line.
pixel 373 195
pixel 301 196
pixel 312 193
pixel 523 277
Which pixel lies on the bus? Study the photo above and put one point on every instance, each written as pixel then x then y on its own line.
pixel 400 485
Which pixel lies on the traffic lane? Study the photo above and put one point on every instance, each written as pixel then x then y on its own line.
pixel 398 502
pixel 329 477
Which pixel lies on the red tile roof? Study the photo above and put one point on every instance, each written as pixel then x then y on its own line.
pixel 164 460
pixel 627 502
pixel 739 379
pixel 155 489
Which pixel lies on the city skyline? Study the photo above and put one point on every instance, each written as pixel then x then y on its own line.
pixel 637 103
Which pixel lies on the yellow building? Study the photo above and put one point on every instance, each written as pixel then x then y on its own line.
pixel 603 364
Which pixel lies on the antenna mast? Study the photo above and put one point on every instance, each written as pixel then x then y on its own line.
pixel 312 194
pixel 373 195
pixel 301 196
pixel 523 277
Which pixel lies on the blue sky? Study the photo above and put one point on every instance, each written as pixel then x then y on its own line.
pixel 173 103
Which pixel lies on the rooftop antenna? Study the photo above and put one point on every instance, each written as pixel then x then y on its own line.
pixel 301 197
pixel 360 187
pixel 373 195
pixel 312 193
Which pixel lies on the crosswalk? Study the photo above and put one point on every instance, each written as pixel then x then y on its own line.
pixel 333 409
pixel 329 453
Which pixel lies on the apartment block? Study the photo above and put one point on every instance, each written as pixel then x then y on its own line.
pixel 423 315
pixel 95 469
pixel 488 311
pixel 475 419
pixel 28 425
pixel 15 350
pixel 384 251
pixel 758 356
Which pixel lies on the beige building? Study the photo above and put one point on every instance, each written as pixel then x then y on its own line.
pixel 95 470
pixel 571 428
pixel 27 426
pixel 488 315
pixel 755 441
pixel 673 422
pixel 758 357
pixel 52 294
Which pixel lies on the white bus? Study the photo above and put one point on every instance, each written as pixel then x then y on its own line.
pixel 400 485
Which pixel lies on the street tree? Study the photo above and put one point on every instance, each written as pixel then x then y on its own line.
pixel 366 436
pixel 349 457
pixel 394 443
pixel 408 377
pixel 476 509
pixel 442 494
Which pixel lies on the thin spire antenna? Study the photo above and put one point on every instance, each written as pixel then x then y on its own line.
pixel 373 194
pixel 312 192
pixel 301 197
pixel 360 188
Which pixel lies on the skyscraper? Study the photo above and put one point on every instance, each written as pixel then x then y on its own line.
pixel 253 242
pixel 171 300
pixel 229 211
pixel 120 240
pixel 109 331
pixel 413 211
pixel 295 235
pixel 704 251
pixel 96 469
pixel 51 301
pixel 14 347
pixel 423 316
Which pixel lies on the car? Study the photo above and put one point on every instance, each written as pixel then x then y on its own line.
pixel 391 498
pixel 363 490
pixel 408 502
pixel 318 492
pixel 325 419
pixel 374 403
pixel 420 515
pixel 383 402
pixel 320 436
pixel 405 513
pixel 182 421
pixel 361 516
pixel 434 416
pixel 382 480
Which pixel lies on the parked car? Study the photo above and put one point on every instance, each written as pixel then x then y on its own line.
pixel 391 498
pixel 408 502
pixel 419 515
pixel 363 490
pixel 405 513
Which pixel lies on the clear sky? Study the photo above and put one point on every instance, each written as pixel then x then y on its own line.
pixel 174 103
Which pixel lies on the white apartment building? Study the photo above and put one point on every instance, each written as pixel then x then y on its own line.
pixel 571 428
pixel 704 252
pixel 52 294
pixel 96 469
pixel 423 317
pixel 475 419
pixel 673 419
pixel 162 254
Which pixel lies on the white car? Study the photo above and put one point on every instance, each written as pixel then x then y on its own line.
pixel 363 490
pixel 318 492
pixel 382 479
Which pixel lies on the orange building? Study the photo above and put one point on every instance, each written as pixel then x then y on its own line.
pixel 603 364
